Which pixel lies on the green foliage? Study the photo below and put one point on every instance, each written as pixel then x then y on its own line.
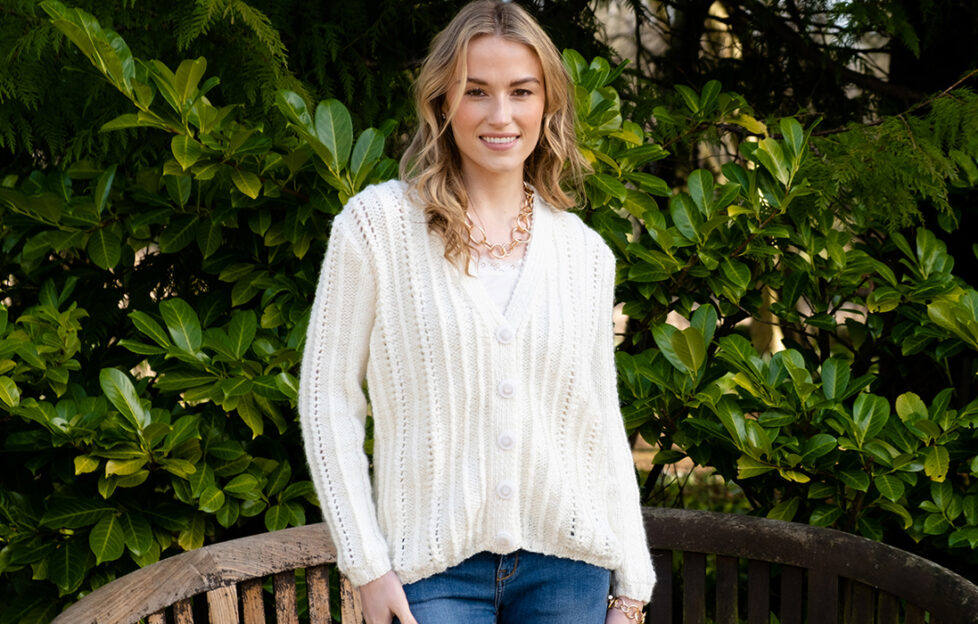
pixel 835 429
pixel 151 341
pixel 155 308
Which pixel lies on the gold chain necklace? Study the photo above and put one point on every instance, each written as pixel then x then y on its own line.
pixel 518 236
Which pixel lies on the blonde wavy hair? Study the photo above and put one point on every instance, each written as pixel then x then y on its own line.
pixel 432 165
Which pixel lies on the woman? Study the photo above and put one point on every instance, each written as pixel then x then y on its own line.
pixel 479 311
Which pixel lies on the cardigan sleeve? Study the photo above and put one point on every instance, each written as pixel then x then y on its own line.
pixel 332 404
pixel 635 577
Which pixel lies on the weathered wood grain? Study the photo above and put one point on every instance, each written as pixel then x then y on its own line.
pixel 222 605
pixel 147 590
pixel 252 601
pixel 890 578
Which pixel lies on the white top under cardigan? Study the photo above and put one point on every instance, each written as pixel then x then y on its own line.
pixel 492 431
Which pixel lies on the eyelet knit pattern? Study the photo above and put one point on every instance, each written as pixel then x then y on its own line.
pixel 492 431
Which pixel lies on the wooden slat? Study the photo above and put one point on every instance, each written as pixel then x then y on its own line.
pixel 861 603
pixel 823 597
pixel 915 615
pixel 694 588
pixel 222 605
pixel 660 609
pixel 791 595
pixel 252 602
pixel 350 610
pixel 183 612
pixel 758 592
pixel 157 618
pixel 285 611
pixel 317 588
pixel 888 609
pixel 727 573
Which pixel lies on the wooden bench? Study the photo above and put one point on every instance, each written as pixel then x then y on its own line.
pixel 712 567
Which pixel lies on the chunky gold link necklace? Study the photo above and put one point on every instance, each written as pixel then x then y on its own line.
pixel 519 235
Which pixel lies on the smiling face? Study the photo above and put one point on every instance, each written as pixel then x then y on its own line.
pixel 497 120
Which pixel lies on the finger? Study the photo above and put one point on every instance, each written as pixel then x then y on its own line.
pixel 404 615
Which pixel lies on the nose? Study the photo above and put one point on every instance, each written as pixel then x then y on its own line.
pixel 501 112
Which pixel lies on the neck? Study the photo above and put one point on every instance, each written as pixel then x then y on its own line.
pixel 496 197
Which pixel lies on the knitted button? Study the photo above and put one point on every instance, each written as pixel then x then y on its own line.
pixel 506 440
pixel 504 334
pixel 505 542
pixel 507 388
pixel 505 489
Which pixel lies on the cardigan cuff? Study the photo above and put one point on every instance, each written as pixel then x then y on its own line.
pixel 640 590
pixel 371 571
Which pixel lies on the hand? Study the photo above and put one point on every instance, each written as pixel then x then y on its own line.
pixel 617 617
pixel 383 598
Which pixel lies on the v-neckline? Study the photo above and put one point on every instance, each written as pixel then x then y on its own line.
pixel 519 301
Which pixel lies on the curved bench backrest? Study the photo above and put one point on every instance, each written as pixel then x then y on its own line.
pixel 722 568
pixel 800 573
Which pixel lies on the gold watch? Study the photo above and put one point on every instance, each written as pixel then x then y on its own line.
pixel 633 613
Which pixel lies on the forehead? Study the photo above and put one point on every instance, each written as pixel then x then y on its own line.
pixel 491 56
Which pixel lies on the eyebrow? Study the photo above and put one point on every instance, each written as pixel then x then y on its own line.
pixel 515 83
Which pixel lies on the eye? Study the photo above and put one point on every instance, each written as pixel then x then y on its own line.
pixel 522 93
pixel 475 92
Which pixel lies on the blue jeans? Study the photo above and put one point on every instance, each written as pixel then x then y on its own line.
pixel 519 588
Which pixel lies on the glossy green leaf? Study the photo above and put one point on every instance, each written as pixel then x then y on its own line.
pixel 186 79
pixel 186 150
pixel 9 392
pixel 106 539
pixel 334 129
pixel 104 248
pixel 701 190
pixel 244 486
pixel 209 238
pixel 870 414
pixel 74 513
pixel 182 323
pixel 192 537
pixel 785 510
pixel 277 517
pixel 690 97
pixel 367 151
pixel 251 416
pixel 705 320
pixel 178 234
pixel 772 158
pixel 122 394
pixel 103 188
pixel 910 407
pixel 137 532
pixel 748 467
pixel 67 564
pixel 683 212
pixel 835 378
pixel 246 182
pixel 610 185
pixel 211 499
pixel 241 331
pixel 689 347
pixel 855 479
pixel 889 486
pixel 936 462
pixel 149 327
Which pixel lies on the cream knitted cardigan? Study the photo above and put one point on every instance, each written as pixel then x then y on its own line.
pixel 492 431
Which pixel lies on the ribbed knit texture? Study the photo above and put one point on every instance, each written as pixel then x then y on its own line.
pixel 492 431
